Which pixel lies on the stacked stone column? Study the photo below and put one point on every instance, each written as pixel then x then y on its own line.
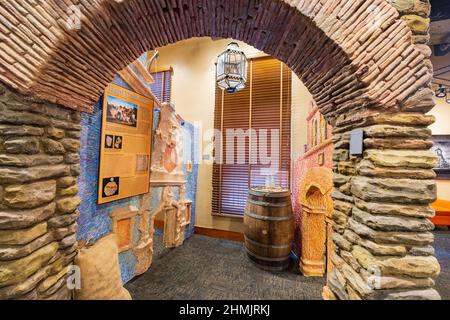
pixel 382 232
pixel 383 243
pixel 39 166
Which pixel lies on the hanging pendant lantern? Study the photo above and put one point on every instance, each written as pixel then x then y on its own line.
pixel 231 69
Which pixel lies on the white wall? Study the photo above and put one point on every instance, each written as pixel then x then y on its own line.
pixel 300 102
pixel 193 92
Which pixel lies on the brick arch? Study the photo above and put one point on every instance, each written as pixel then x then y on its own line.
pixel 364 64
pixel 344 69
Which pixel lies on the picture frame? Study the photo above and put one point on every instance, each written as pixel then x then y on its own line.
pixel 441 147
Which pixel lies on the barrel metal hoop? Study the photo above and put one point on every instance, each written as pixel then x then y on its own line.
pixel 281 194
pixel 270 204
pixel 266 218
pixel 267 259
pixel 267 245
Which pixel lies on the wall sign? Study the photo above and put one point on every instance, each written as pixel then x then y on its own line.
pixel 126 145
pixel 357 142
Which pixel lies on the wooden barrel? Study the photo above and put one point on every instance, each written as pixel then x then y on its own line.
pixel 269 228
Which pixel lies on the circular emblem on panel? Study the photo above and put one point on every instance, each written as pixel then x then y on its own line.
pixel 110 187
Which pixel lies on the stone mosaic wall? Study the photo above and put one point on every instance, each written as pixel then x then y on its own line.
pixel 95 220
pixel 39 165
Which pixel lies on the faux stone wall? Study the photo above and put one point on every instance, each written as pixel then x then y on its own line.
pixel 383 244
pixel 384 248
pixel 39 166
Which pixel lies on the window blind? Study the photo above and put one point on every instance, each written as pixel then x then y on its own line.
pixel 263 112
pixel 162 87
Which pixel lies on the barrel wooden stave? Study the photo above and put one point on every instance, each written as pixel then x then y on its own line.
pixel 269 229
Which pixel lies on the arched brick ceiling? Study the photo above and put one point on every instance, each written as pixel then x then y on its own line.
pixel 351 54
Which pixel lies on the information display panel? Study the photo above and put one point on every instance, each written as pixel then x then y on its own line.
pixel 126 145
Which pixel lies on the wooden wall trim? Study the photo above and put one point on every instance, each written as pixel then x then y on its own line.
pixel 212 233
pixel 220 234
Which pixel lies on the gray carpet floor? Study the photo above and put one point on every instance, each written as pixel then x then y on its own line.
pixel 442 246
pixel 213 269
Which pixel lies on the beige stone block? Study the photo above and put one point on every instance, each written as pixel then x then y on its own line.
pixel 17 271
pixel 20 219
pixel 11 130
pixel 397 237
pixel 27 196
pixel 51 281
pixel 10 175
pixel 68 205
pixel 53 147
pixel 402 158
pixel 417 267
pixel 70 191
pixel 392 223
pixel 71 145
pixel 24 287
pixel 20 160
pixel 419 211
pixel 417 24
pixel 402 191
pixel 66 182
pixel 24 145
pixel 368 169
pixel 22 237
pixel 55 133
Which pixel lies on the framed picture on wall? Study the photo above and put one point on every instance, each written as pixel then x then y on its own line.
pixel 441 146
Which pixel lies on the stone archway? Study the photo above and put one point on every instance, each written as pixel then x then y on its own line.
pixel 365 62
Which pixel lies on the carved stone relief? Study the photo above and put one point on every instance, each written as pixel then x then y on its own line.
pixel 144 249
pixel 167 158
pixel 317 208
pixel 176 215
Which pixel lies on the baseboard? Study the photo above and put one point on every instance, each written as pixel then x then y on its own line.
pixel 220 234
pixel 212 233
